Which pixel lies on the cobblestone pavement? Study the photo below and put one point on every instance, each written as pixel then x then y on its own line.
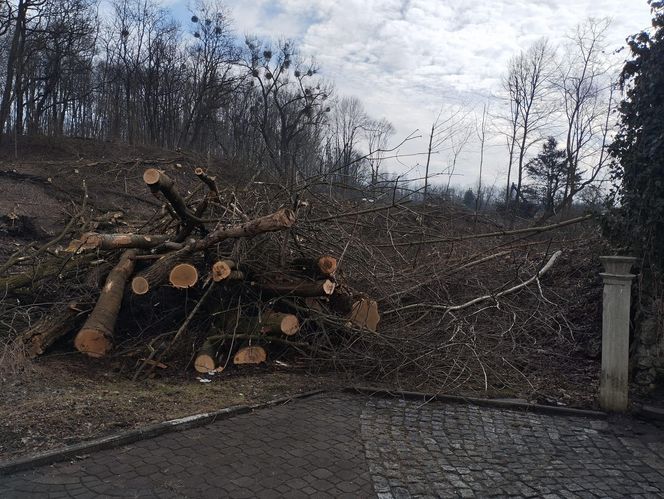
pixel 355 447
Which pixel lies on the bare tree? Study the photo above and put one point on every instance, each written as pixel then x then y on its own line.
pixel 527 86
pixel 480 130
pixel 350 122
pixel 584 90
pixel 292 100
pixel 377 133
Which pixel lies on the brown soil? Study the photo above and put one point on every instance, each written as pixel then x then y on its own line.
pixel 60 401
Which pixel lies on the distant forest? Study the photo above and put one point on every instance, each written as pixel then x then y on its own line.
pixel 136 75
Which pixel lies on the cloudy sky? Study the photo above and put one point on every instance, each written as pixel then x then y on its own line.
pixel 406 58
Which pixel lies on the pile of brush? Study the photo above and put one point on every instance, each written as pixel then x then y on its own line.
pixel 250 297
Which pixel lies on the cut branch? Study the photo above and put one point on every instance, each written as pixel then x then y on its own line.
pixel 500 233
pixel 451 308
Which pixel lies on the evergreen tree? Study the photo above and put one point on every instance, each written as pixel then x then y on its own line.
pixel 469 198
pixel 548 171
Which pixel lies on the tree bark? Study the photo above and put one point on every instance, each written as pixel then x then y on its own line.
pixel 93 240
pixel 96 336
pixel 157 274
pixel 159 270
pixel 19 31
pixel 58 321
pixel 158 181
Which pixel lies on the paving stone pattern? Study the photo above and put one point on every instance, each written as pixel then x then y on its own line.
pixel 356 447
pixel 305 448
pixel 439 450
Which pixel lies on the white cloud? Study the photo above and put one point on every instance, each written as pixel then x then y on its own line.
pixel 405 59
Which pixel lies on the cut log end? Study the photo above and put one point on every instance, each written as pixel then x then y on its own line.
pixel 140 285
pixel 151 176
pixel 327 265
pixel 92 343
pixel 290 325
pixel 183 275
pixel 204 363
pixel 199 171
pixel 221 270
pixel 250 355
pixel 328 287
pixel 365 314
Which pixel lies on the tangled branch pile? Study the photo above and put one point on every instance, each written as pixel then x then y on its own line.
pixel 421 295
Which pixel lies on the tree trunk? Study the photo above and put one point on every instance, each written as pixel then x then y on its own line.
pixel 54 325
pixel 93 240
pixel 208 355
pixel 158 181
pixel 222 270
pixel 183 276
pixel 250 355
pixel 158 273
pixel 96 336
pixel 19 31
pixel 159 270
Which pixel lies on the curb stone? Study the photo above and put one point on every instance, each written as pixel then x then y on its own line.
pixel 146 432
pixel 650 413
pixel 497 403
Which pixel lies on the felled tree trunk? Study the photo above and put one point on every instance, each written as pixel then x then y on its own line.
pixel 360 310
pixel 208 355
pixel 268 323
pixel 158 181
pixel 278 323
pixel 157 273
pixel 253 354
pixel 54 325
pixel 183 276
pixel 222 270
pixel 277 221
pixel 93 240
pixel 96 336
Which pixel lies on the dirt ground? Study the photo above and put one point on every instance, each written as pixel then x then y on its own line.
pixel 60 401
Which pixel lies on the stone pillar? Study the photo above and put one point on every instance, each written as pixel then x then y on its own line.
pixel 615 332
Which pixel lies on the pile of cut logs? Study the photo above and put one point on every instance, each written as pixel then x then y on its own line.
pixel 195 247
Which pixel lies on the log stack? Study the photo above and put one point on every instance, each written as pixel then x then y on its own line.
pixel 273 297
